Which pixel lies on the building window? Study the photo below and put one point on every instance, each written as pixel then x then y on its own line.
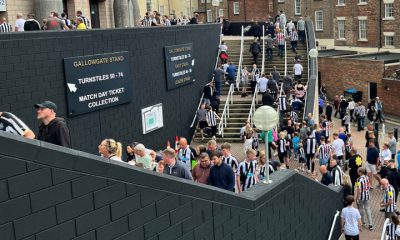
pixel 389 41
pixel 161 10
pixel 341 29
pixel 341 3
pixel 389 10
pixel 297 7
pixel 236 8
pixel 362 29
pixel 319 21
pixel 209 16
pixel 221 12
pixel 362 1
pixel 148 5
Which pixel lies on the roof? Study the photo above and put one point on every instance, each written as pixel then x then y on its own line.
pixel 386 57
pixel 334 53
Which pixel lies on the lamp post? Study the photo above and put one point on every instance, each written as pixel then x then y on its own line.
pixel 215 4
pixel 313 54
pixel 265 118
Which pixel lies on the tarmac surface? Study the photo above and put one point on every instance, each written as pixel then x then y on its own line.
pixel 359 144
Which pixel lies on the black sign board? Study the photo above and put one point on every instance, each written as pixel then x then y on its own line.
pixel 179 64
pixel 96 82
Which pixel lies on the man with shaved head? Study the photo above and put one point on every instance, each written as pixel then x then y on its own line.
pixel 326 176
pixel 388 202
pixel 186 153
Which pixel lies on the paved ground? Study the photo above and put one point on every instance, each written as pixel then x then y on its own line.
pixel 359 143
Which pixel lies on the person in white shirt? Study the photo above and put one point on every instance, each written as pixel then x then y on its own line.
pixel 19 24
pixel 338 148
pixel 385 154
pixel 290 26
pixel 262 84
pixel 351 220
pixel 297 69
pixel 351 107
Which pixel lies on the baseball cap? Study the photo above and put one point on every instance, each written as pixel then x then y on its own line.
pixel 47 104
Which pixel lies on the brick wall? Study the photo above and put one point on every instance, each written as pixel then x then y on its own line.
pixel 339 74
pixel 389 95
pixel 307 10
pixel 31 68
pixel 48 192
pixel 253 10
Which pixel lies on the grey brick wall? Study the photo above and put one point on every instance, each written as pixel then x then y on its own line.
pixel 69 202
pixel 31 71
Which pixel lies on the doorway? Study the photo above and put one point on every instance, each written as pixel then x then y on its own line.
pixel 65 7
pixel 94 13
pixel 372 90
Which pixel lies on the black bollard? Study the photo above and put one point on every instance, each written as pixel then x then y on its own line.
pixel 395 133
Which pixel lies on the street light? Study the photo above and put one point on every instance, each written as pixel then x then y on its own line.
pixel 265 118
pixel 215 4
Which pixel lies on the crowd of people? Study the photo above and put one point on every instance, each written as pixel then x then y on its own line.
pixel 55 21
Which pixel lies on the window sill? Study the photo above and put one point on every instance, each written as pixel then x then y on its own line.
pixel 388 47
pixel 362 40
pixel 319 30
pixel 341 39
pixel 341 5
pixel 281 1
pixel 297 14
pixel 362 3
pixel 388 18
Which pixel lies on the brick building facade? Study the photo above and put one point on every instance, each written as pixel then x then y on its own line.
pixel 209 13
pixel 250 10
pixel 320 12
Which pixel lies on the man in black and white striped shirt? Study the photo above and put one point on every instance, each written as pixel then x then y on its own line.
pixel 282 103
pixel 310 147
pixel 12 124
pixel 4 26
pixel 362 196
pixel 388 201
pixel 324 152
pixel 147 20
pixel 227 156
pixel 336 172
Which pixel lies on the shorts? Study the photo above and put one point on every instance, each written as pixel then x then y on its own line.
pixel 203 124
pixel 323 161
pixel 371 168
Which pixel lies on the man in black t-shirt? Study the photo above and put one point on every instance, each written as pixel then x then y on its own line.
pixel 31 24
pixel 355 162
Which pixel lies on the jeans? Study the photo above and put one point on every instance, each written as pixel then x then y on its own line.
pixel 364 205
pixel 361 123
pixel 255 57
pixel 281 50
pixel 269 54
pixel 302 36
pixel 218 88
pixel 294 46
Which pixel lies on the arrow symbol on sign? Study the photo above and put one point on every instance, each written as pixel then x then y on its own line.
pixel 193 62
pixel 72 87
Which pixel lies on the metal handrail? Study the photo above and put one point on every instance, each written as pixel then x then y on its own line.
pixel 238 75
pixel 333 224
pixel 212 80
pixel 285 58
pixel 308 67
pixel 263 51
pixel 385 224
pixel 225 113
pixel 253 106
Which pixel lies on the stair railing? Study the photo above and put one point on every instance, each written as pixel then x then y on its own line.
pixel 285 73
pixel 263 50
pixel 385 224
pixel 239 70
pixel 225 114
pixel 212 80
pixel 253 106
pixel 333 225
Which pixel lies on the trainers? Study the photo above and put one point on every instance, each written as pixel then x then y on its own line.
pixel 371 227
pixel 364 223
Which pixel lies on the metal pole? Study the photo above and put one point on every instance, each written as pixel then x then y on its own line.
pixel 267 180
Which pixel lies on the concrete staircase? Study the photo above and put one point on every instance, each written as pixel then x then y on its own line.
pixel 239 110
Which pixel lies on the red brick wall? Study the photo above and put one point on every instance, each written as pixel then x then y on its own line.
pixel 388 92
pixel 339 74
pixel 252 10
